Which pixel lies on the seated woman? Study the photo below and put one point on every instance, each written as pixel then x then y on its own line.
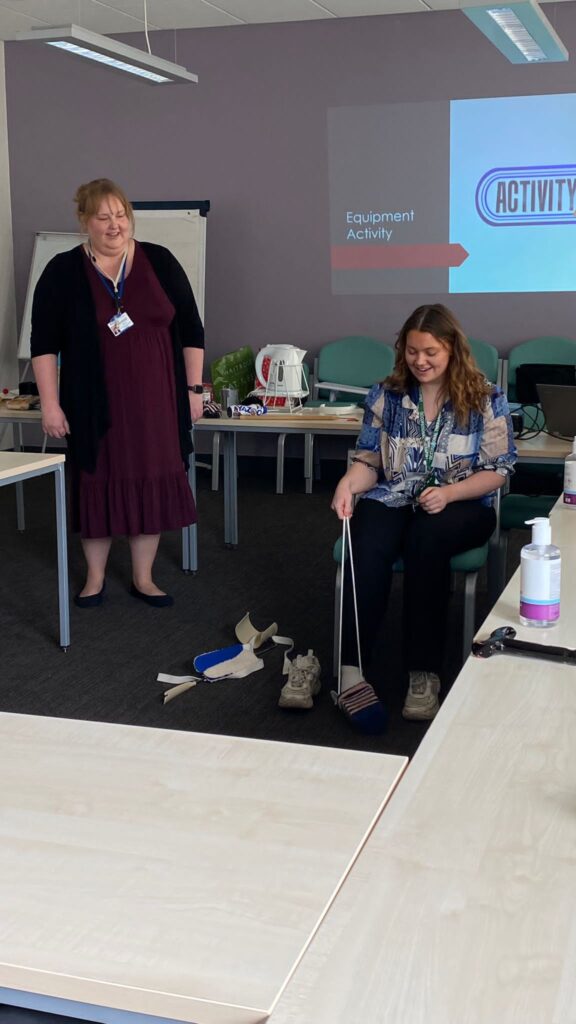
pixel 435 445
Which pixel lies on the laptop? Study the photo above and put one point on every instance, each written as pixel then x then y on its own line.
pixel 559 407
pixel 530 375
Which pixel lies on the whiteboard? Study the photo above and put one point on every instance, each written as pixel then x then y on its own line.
pixel 181 229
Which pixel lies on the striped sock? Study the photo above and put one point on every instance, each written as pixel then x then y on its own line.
pixel 361 706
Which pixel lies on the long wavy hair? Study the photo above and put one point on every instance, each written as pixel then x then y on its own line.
pixel 466 385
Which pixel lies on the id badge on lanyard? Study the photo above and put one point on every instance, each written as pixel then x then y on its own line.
pixel 120 322
pixel 429 445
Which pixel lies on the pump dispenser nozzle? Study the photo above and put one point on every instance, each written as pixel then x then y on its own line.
pixel 541 530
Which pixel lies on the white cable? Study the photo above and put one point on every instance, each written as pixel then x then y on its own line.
pixel 347 541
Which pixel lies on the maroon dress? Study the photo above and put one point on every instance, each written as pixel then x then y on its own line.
pixel 139 484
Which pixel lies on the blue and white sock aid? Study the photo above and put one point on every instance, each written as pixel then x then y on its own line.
pixel 239 660
pixel 359 702
pixel 247 633
pixel 202 662
pixel 233 662
pixel 241 665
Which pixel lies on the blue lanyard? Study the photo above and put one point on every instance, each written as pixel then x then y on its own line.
pixel 117 290
pixel 429 443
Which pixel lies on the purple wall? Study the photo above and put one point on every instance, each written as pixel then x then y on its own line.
pixel 251 137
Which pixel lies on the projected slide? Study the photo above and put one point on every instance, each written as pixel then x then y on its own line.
pixel 461 196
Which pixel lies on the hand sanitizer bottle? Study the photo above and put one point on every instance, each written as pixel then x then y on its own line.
pixel 540 578
pixel 570 478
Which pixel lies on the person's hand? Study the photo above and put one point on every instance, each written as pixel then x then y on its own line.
pixel 54 422
pixel 433 500
pixel 196 406
pixel 343 500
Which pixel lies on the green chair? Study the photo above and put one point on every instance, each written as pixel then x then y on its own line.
pixel 536 350
pixel 345 368
pixel 487 358
pixel 469 562
pixel 350 366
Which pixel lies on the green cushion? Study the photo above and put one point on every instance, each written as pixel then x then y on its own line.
pixel 486 357
pixel 355 360
pixel 468 561
pixel 515 509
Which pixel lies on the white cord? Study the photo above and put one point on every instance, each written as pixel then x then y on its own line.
pixel 347 541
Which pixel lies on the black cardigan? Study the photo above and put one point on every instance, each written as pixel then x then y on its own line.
pixel 64 322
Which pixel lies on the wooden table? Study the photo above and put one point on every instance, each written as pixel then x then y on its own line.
pixel 543 449
pixel 461 908
pixel 11 417
pixel 152 873
pixel 296 423
pixel 18 466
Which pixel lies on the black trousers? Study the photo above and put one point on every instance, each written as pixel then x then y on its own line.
pixel 426 543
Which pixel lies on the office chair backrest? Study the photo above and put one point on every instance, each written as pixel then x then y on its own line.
pixel 355 360
pixel 486 357
pixel 539 350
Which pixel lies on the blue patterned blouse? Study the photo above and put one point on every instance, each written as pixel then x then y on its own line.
pixel 391 442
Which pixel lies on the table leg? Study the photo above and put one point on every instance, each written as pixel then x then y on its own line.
pixel 280 457
pixel 20 516
pixel 61 537
pixel 230 491
pixel 308 462
pixel 190 533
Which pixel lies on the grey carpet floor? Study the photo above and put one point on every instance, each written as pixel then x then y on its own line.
pixel 281 571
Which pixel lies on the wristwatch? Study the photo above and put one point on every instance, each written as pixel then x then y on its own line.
pixel 196 389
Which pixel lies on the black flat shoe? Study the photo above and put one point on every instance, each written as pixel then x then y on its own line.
pixel 154 600
pixel 91 600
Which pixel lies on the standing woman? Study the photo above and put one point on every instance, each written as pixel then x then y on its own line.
pixel 435 446
pixel 122 317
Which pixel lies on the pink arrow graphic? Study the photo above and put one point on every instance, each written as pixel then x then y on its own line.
pixel 388 257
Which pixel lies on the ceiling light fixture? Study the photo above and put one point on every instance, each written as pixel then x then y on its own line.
pixel 521 31
pixel 113 54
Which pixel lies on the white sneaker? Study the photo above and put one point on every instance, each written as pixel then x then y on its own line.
pixel 422 697
pixel 303 682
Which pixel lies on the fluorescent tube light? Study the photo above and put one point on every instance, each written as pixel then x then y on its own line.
pixel 519 30
pixel 108 51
